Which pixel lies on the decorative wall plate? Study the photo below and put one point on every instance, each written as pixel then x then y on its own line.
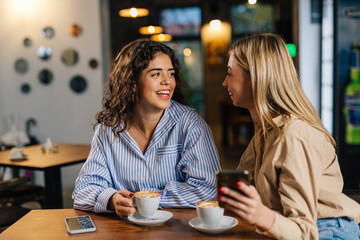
pixel 27 42
pixel 46 76
pixel 75 30
pixel 48 32
pixel 70 57
pixel 78 84
pixel 21 66
pixel 25 88
pixel 44 52
pixel 93 63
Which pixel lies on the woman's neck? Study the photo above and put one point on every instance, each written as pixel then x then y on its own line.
pixel 146 122
pixel 255 116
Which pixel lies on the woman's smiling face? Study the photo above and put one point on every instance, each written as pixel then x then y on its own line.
pixel 238 84
pixel 157 83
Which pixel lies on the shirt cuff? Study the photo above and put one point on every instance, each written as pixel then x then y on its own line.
pixel 283 228
pixel 103 199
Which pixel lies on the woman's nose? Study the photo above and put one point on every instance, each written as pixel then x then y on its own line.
pixel 166 80
pixel 224 84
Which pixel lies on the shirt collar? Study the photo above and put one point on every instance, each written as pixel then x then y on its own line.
pixel 279 121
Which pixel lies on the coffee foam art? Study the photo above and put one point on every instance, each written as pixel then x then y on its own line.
pixel 208 204
pixel 147 194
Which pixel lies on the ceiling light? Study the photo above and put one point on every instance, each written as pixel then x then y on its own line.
pixel 149 30
pixel 134 12
pixel 215 24
pixel 187 52
pixel 161 37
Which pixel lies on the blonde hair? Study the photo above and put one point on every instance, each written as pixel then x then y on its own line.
pixel 275 83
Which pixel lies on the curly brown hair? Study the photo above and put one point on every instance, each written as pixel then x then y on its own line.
pixel 121 97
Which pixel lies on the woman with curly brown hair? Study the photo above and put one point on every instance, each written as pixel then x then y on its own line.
pixel 145 139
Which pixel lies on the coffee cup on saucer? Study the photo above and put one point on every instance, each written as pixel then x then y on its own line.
pixel 147 202
pixel 210 213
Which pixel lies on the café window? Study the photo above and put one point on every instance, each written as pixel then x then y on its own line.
pixel 181 21
pixel 247 19
pixel 184 24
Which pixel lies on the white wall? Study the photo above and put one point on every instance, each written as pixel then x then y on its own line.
pixel 61 114
pixel 309 54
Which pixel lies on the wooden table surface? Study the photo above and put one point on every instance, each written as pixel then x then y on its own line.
pixel 68 154
pixel 49 224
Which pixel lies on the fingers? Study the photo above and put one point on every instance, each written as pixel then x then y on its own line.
pixel 234 205
pixel 248 190
pixel 125 211
pixel 123 204
pixel 126 193
pixel 121 200
pixel 235 194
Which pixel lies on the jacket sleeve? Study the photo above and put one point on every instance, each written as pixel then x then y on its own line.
pixel 299 170
pixel 94 187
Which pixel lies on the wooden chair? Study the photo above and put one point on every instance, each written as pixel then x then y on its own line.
pixel 19 190
pixel 13 193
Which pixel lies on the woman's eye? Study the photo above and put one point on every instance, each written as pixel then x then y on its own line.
pixel 172 74
pixel 155 74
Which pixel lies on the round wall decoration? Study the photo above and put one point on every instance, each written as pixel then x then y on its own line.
pixel 46 77
pixel 25 88
pixel 21 66
pixel 70 57
pixel 44 52
pixel 78 84
pixel 75 30
pixel 48 32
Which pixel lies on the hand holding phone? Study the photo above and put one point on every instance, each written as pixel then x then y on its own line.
pixel 79 224
pixel 229 178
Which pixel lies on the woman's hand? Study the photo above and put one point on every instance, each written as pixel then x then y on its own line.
pixel 248 206
pixel 122 203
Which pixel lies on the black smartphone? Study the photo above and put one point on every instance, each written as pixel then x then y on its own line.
pixel 229 178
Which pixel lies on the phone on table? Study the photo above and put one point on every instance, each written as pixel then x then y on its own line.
pixel 229 178
pixel 79 224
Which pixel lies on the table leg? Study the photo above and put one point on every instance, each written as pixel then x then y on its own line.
pixel 53 189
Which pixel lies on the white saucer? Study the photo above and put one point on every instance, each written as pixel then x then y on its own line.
pixel 225 224
pixel 158 218
pixel 24 157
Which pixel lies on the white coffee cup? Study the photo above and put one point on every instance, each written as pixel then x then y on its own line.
pixel 147 202
pixel 210 213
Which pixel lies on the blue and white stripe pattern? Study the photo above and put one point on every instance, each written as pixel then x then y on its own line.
pixel 180 163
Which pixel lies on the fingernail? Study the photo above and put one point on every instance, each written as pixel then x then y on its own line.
pixel 218 197
pixel 238 184
pixel 222 190
pixel 131 195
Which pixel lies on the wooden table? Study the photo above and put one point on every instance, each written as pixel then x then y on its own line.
pixel 50 163
pixel 49 224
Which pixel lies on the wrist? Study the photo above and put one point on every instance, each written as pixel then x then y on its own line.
pixel 268 219
pixel 110 205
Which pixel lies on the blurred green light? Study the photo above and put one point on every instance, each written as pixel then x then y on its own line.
pixel 292 49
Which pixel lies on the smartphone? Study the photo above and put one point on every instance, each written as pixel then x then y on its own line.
pixel 229 178
pixel 79 224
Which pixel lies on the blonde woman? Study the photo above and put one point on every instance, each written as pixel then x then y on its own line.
pixel 297 192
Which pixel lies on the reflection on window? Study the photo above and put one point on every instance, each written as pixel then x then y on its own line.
pixel 250 19
pixel 190 56
pixel 181 21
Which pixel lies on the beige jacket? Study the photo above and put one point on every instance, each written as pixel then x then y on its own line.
pixel 299 177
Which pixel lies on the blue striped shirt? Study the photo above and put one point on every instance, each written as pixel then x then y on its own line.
pixel 180 163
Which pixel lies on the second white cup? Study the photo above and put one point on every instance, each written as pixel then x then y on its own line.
pixel 210 213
